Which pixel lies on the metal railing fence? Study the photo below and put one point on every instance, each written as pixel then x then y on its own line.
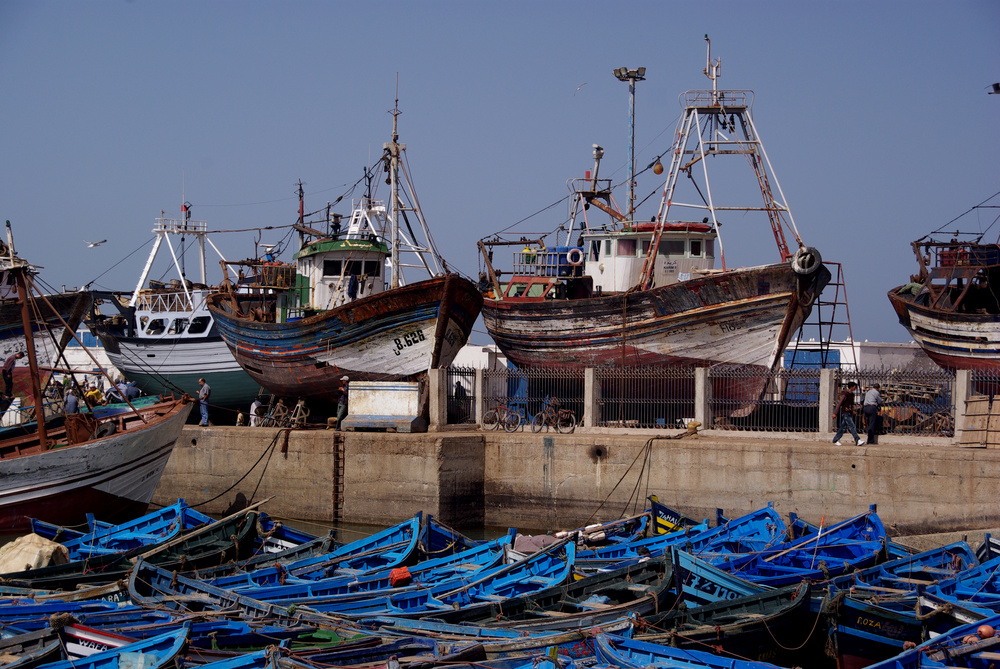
pixel 646 397
pixel 526 390
pixel 914 401
pixel 788 399
pixel 462 395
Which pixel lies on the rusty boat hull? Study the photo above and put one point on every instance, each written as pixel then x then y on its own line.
pixel 740 318
pixel 394 335
pixel 952 340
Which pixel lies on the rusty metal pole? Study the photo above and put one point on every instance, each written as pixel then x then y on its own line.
pixel 36 389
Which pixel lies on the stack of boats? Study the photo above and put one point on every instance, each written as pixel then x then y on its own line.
pixel 176 587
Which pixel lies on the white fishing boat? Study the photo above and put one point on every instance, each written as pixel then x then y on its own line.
pixel 163 337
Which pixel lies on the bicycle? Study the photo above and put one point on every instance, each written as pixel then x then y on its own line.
pixel 509 417
pixel 563 420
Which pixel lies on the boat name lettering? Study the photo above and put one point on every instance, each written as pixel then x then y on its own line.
pixel 407 340
pixel 868 622
pixel 702 584
pixel 732 326
pixel 88 643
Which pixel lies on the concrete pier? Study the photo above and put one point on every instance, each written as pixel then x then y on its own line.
pixel 471 478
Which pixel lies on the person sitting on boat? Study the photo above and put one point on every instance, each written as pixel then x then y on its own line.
pixel 70 403
pixel 132 391
pixel 844 415
pixel 94 396
pixel 204 393
pixel 8 373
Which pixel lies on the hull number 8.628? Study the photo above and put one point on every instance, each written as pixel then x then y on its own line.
pixel 408 340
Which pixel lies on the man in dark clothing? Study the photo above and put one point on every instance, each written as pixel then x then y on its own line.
pixel 844 415
pixel 8 373
pixel 204 393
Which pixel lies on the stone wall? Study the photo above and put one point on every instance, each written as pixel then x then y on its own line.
pixel 475 478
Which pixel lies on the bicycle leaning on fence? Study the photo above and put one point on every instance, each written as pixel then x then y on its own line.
pixel 508 416
pixel 563 420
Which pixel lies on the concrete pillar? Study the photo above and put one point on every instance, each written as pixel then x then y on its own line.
pixel 827 400
pixel 438 396
pixel 960 392
pixel 591 398
pixel 702 398
pixel 479 395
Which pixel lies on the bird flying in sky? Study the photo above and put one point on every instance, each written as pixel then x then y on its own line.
pixel 91 245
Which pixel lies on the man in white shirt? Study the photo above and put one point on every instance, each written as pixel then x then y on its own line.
pixel 873 402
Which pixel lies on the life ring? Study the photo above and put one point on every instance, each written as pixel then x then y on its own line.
pixel 574 256
pixel 806 261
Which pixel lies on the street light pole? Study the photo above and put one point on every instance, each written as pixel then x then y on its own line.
pixel 631 76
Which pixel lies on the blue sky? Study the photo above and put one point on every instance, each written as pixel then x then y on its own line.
pixel 875 116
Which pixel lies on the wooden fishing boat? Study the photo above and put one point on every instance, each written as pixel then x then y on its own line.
pixel 155 653
pixel 421 575
pixel 613 554
pixel 977 586
pixel 299 328
pixel 972 645
pixel 634 291
pixel 546 568
pixel 699 583
pixel 634 654
pixel 153 528
pixel 218 542
pixel 109 468
pixel 383 550
pixel 163 337
pixel 754 532
pixel 855 543
pixel 762 626
pixel 634 589
pixel 948 307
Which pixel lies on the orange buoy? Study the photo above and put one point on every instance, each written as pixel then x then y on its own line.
pixel 985 632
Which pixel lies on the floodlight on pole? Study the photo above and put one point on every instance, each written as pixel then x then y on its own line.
pixel 631 76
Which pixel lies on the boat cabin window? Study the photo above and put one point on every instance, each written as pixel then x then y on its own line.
pixel 626 248
pixel 607 247
pixel 695 248
pixel 673 248
pixel 372 267
pixel 595 250
pixel 142 322
pixel 331 268
pixel 178 326
pixel 156 326
pixel 709 248
pixel 199 325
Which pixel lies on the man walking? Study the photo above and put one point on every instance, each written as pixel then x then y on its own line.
pixel 873 402
pixel 844 414
pixel 203 396
pixel 342 402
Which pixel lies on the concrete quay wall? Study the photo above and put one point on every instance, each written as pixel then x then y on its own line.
pixel 471 478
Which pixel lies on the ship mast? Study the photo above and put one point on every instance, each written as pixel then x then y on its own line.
pixel 18 268
pixel 393 149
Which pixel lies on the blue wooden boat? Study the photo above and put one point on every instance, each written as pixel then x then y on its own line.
pixel 383 550
pixel 227 539
pixel 546 568
pixel 143 532
pixel 153 653
pixel 699 583
pixel 855 543
pixel 774 626
pixel 865 631
pixel 499 642
pixel 632 654
pixel 905 574
pixel 438 539
pixel 754 532
pixel 972 645
pixel 277 537
pixel 421 575
pixel 977 586
pixel 52 644
pixel 665 519
pixel 615 553
pixel 605 597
